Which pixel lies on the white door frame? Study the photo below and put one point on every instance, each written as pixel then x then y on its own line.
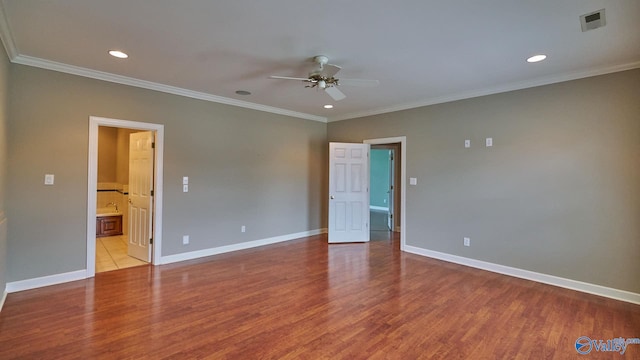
pixel 403 180
pixel 92 181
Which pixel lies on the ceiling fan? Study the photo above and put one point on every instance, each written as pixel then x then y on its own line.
pixel 323 77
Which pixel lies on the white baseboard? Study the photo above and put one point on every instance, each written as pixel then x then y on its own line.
pixel 2 300
pixel 35 283
pixel 235 247
pixel 616 294
pixel 378 208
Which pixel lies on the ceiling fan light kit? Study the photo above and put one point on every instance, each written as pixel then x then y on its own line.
pixel 323 77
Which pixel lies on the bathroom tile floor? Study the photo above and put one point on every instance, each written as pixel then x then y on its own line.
pixel 111 254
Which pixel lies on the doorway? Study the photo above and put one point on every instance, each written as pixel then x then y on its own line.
pixel 382 187
pixel 388 177
pixel 155 226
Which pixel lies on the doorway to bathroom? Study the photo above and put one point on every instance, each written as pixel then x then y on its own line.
pixel 387 191
pixel 124 207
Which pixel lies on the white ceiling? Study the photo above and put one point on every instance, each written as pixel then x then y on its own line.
pixel 422 52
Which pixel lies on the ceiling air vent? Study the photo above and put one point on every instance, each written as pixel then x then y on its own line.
pixel 593 20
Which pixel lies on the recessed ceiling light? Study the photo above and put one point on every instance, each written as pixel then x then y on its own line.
pixel 536 58
pixel 118 54
pixel 328 106
pixel 243 92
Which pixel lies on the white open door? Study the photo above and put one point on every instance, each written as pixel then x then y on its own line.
pixel 348 192
pixel 140 194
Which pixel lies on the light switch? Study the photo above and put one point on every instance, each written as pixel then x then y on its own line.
pixel 413 181
pixel 185 180
pixel 489 142
pixel 467 143
pixel 185 188
pixel 48 179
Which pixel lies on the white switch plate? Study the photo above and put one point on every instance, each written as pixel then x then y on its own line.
pixel 467 241
pixel 49 179
pixel 185 188
pixel 185 239
pixel 185 180
pixel 467 143
pixel 413 181
pixel 243 228
pixel 489 142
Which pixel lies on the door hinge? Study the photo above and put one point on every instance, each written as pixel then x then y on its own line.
pixel 153 145
pixel 151 192
pixel 151 241
pixel 391 157
pixel 391 187
pixel 391 216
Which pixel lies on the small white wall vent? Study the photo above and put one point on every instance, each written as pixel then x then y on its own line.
pixel 593 20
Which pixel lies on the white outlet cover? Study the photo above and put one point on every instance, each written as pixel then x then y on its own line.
pixel 49 179
pixel 185 188
pixel 185 239
pixel 413 181
pixel 467 241
pixel 467 143
pixel 185 180
pixel 489 142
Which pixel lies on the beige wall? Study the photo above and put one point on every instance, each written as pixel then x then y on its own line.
pixel 4 94
pixel 107 154
pixel 558 193
pixel 261 170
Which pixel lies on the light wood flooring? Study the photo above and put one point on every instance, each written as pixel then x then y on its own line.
pixel 111 254
pixel 305 299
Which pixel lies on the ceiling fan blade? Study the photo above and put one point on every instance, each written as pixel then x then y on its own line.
pixel 329 70
pixel 359 82
pixel 336 94
pixel 287 78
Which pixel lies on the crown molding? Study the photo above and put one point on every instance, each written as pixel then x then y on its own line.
pixel 491 90
pixel 125 80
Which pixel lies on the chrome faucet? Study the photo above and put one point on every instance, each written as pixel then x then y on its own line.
pixel 114 204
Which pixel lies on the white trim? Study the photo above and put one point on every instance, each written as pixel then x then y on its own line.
pixel 94 123
pixel 125 80
pixel 378 208
pixel 608 292
pixel 3 299
pixel 235 247
pixel 35 283
pixel 403 180
pixel 547 80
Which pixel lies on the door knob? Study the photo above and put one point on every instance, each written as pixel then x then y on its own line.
pixel 331 197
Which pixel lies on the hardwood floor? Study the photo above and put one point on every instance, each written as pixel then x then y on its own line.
pixel 304 299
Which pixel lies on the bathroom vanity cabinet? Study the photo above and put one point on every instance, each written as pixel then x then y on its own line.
pixel 108 225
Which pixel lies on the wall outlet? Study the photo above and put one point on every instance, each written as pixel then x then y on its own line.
pixel 48 179
pixel 489 142
pixel 185 239
pixel 243 228
pixel 467 241
pixel 467 143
